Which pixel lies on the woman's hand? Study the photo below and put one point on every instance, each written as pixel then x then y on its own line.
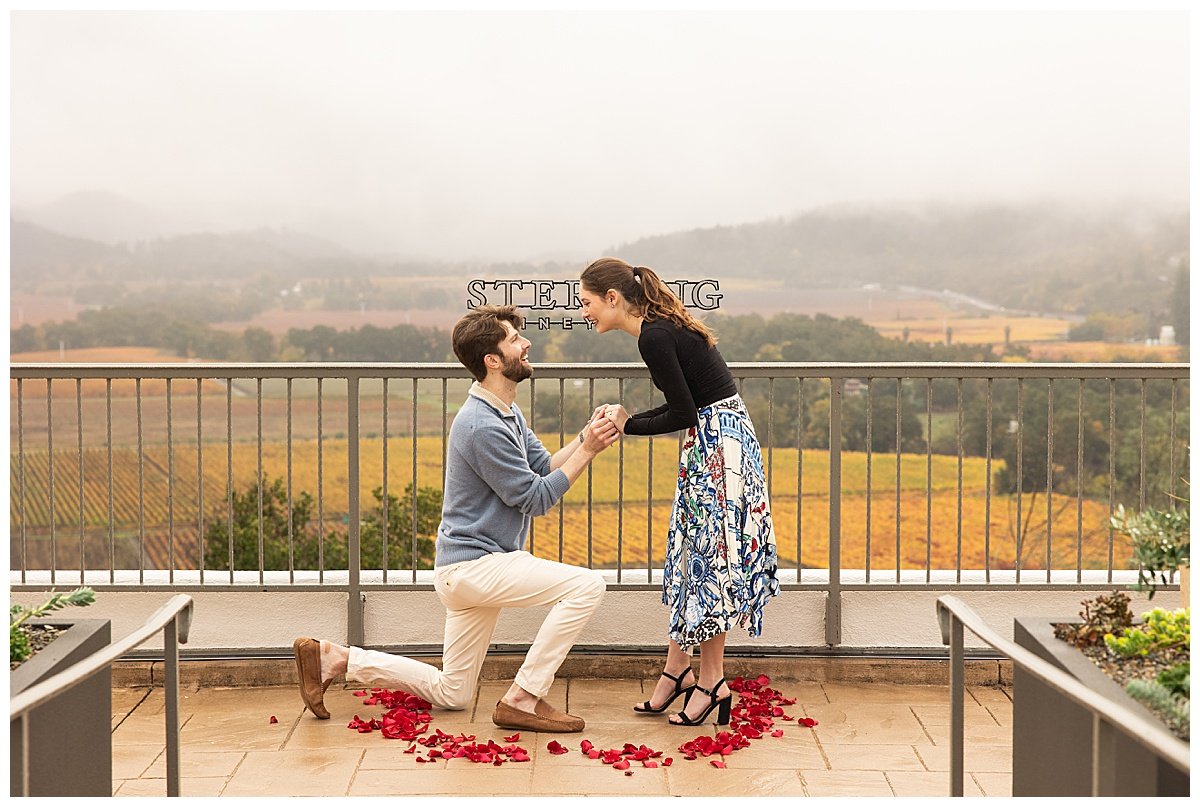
pixel 617 414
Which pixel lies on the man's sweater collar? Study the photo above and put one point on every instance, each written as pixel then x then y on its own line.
pixel 489 397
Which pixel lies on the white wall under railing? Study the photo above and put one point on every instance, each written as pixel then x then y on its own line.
pixel 246 618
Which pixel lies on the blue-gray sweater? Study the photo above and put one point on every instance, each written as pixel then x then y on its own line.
pixel 497 478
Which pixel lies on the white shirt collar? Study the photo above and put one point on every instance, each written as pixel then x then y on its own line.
pixel 489 397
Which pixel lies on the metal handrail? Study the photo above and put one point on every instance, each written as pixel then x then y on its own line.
pixel 768 369
pixel 174 619
pixel 363 380
pixel 953 614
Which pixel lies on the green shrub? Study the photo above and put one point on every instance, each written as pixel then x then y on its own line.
pixel 1175 708
pixel 1161 543
pixel 1107 613
pixel 1178 679
pixel 19 647
pixel 1163 630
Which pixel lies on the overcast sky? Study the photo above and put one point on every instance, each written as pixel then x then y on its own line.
pixel 518 135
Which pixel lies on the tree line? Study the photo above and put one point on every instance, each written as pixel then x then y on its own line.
pixel 752 338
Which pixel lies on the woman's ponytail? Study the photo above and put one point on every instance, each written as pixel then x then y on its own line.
pixel 645 291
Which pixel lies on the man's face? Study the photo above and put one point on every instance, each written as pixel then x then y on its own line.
pixel 514 355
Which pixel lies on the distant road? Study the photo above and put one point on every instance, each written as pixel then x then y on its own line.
pixel 960 298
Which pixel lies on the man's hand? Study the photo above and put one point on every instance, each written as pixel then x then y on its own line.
pixel 617 415
pixel 599 434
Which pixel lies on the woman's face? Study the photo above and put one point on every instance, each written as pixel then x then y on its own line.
pixel 606 312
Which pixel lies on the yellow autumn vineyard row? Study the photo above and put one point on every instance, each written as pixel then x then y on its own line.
pixel 939 540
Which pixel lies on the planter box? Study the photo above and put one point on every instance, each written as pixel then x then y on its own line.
pixel 70 736
pixel 1052 737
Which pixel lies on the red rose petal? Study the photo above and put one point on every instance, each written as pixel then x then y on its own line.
pixel 668 762
pixel 622 765
pixel 586 746
pixel 648 764
pixel 555 747
pixel 716 763
pixel 778 733
pixel 514 738
pixel 629 773
pixel 274 719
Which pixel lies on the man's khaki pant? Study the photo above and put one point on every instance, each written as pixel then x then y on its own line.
pixel 473 592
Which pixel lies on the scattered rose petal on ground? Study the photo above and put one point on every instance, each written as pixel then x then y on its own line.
pixel 407 717
pixel 274 719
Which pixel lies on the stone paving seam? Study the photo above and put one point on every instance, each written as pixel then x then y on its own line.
pixel 292 730
pixel 924 729
pixel 803 783
pixel 892 787
pixel 923 762
pixel 233 773
pixel 145 695
pixel 354 774
pixel 821 750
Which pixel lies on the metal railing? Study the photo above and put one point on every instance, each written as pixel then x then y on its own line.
pixel 174 620
pixel 953 614
pixel 800 410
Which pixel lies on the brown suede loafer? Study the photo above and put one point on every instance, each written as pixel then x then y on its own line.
pixel 308 669
pixel 544 718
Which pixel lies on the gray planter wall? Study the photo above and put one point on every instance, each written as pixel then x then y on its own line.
pixel 1052 737
pixel 70 737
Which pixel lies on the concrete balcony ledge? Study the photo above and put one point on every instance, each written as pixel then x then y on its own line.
pixel 503 665
pixel 402 578
pixel 249 620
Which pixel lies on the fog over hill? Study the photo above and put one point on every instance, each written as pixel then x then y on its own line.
pixel 1040 256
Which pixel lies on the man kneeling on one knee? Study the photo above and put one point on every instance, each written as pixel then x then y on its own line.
pixel 498 477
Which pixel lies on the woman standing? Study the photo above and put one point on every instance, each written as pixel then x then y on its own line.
pixel 721 558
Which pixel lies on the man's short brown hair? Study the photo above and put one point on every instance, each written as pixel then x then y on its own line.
pixel 479 333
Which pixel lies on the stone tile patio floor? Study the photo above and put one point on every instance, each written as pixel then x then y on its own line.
pixel 872 739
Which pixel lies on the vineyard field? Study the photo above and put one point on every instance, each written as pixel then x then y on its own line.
pixel 1075 529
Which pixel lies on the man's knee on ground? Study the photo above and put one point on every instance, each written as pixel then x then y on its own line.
pixel 458 699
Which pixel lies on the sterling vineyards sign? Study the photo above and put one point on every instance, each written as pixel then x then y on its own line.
pixel 552 296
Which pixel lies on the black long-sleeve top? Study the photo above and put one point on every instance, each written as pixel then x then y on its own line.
pixel 690 374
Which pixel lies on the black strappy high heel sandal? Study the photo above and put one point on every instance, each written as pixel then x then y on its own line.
pixel 647 709
pixel 722 705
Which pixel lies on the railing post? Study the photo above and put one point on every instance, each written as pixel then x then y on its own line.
pixel 354 598
pixel 956 705
pixel 171 695
pixel 24 753
pixel 833 602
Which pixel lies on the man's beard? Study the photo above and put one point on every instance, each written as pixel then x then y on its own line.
pixel 516 370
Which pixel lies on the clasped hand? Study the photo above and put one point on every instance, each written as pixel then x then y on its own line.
pixel 605 427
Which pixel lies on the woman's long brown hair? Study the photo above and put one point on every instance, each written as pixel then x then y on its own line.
pixel 645 291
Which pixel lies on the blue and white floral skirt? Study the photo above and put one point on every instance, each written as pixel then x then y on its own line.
pixel 721 555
